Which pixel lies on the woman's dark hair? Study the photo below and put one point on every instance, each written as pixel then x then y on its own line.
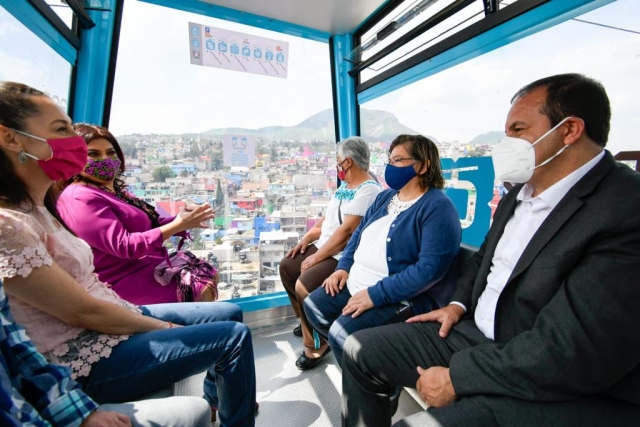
pixel 91 132
pixel 578 96
pixel 425 152
pixel 17 104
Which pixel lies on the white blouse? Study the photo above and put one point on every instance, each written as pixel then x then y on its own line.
pixel 370 259
pixel 349 201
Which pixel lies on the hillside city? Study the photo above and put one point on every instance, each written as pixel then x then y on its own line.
pixel 261 212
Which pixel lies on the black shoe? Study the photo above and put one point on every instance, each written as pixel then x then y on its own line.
pixel 394 399
pixel 297 331
pixel 305 363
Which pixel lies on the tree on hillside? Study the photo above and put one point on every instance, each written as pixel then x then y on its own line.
pixel 128 149
pixel 162 173
pixel 184 173
pixel 274 153
pixel 195 151
pixel 219 194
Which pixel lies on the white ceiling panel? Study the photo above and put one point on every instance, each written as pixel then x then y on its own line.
pixel 332 16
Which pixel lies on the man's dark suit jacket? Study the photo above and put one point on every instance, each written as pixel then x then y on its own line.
pixel 567 323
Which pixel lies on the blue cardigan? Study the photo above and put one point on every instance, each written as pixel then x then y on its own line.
pixel 422 243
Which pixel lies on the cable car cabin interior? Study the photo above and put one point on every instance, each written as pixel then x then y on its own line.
pixel 240 104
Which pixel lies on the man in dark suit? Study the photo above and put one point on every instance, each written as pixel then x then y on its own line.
pixel 543 326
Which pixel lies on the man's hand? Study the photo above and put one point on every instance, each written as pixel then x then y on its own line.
pixel 446 316
pixel 300 247
pixel 358 304
pixel 334 283
pixel 106 419
pixel 435 387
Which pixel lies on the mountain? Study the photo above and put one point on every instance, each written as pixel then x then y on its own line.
pixel 489 138
pixel 376 126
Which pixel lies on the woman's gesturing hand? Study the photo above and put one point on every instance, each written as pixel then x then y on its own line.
pixel 195 216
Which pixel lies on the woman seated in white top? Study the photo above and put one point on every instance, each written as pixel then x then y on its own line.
pixel 308 264
pixel 395 262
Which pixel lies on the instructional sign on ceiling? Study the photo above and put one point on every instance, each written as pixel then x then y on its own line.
pixel 218 48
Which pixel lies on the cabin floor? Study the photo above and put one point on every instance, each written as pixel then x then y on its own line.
pixel 289 397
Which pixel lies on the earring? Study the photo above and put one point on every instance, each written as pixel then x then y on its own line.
pixel 22 157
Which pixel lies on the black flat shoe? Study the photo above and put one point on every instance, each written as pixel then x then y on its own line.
pixel 297 331
pixel 305 363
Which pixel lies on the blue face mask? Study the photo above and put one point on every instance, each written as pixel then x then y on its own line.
pixel 397 177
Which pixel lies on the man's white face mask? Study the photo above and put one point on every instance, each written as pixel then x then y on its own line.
pixel 514 159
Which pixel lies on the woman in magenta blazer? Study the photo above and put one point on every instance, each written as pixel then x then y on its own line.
pixel 124 232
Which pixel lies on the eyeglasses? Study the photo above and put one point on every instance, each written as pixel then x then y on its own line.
pixel 395 160
pixel 339 165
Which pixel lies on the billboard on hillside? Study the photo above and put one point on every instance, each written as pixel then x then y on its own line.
pixel 239 150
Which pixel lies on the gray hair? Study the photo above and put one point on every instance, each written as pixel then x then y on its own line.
pixel 357 150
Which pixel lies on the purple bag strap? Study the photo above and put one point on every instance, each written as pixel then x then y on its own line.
pixel 166 253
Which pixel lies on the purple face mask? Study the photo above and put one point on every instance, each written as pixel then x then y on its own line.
pixel 104 169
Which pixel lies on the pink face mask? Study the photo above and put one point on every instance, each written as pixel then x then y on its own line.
pixel 68 156
pixel 342 174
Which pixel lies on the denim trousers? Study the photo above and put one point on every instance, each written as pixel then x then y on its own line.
pixel 324 314
pixel 213 339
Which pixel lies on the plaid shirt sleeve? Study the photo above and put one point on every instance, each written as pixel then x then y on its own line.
pixel 35 392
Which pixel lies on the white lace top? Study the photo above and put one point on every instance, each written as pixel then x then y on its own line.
pixel 30 240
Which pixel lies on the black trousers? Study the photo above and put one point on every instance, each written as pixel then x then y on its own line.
pixel 377 360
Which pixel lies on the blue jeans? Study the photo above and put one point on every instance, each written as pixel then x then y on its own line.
pixel 324 314
pixel 213 339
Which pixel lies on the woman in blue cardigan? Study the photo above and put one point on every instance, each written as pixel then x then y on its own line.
pixel 396 262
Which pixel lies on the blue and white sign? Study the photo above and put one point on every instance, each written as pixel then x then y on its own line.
pixel 239 151
pixel 237 51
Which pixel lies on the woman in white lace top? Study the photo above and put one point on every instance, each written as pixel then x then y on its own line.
pixel 118 351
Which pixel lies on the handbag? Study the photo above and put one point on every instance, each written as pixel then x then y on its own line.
pixel 192 274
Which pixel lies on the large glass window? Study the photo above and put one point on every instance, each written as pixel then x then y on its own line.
pixel 421 11
pixel 464 107
pixel 62 9
pixel 407 16
pixel 175 121
pixel 25 58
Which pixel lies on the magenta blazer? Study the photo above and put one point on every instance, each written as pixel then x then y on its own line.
pixel 126 248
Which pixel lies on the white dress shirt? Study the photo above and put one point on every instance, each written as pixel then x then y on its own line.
pixel 528 216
